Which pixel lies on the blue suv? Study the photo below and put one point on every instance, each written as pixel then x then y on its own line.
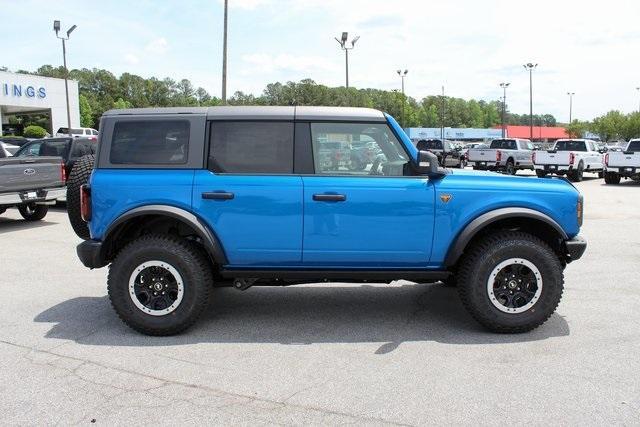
pixel 179 201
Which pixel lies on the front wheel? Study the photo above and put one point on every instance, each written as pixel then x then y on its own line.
pixel 160 284
pixel 510 282
pixel 33 212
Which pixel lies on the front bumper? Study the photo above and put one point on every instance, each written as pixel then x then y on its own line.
pixel 575 248
pixel 90 254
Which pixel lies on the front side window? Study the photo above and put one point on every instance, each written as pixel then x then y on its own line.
pixel 153 142
pixel 251 147
pixel 357 149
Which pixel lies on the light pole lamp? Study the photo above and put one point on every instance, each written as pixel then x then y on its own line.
pixel 343 44
pixel 402 75
pixel 56 28
pixel 504 87
pixel 529 66
pixel 571 106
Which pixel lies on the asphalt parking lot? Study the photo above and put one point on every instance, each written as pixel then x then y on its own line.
pixel 321 354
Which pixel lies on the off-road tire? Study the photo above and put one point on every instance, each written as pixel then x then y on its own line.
pixel 541 173
pixel 577 174
pixel 611 178
pixel 79 176
pixel 475 268
pixel 33 212
pixel 191 263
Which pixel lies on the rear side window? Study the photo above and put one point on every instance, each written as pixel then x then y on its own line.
pixel 154 142
pixel 251 147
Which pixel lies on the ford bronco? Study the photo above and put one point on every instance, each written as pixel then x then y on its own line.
pixel 183 200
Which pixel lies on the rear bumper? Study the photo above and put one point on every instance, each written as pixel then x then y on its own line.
pixel 575 248
pixel 42 196
pixel 624 170
pixel 90 254
pixel 554 168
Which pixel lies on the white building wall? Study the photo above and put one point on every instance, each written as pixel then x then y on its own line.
pixel 20 92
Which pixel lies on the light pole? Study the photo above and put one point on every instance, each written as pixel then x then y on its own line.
pixel 56 28
pixel 402 76
pixel 224 55
pixel 504 87
pixel 529 66
pixel 571 106
pixel 638 89
pixel 343 44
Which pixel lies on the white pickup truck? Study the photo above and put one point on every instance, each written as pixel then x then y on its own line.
pixel 571 157
pixel 623 164
pixel 508 155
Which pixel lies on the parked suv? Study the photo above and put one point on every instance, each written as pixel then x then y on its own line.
pixel 182 200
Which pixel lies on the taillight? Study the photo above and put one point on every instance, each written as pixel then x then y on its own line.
pixel 572 158
pixel 63 173
pixel 533 157
pixel 498 155
pixel 606 159
pixel 85 202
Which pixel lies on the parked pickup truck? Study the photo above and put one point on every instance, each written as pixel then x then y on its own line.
pixel 182 200
pixel 508 155
pixel 30 184
pixel 448 154
pixel 571 157
pixel 623 164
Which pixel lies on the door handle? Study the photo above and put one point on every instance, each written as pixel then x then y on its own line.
pixel 329 197
pixel 217 195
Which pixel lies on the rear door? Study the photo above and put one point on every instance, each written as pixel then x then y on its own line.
pixel 249 195
pixel 376 217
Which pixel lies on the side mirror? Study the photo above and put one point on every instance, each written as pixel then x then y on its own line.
pixel 427 164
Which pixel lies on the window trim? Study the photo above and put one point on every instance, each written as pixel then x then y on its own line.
pixel 208 144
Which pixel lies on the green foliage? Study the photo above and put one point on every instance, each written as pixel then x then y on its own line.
pixel 34 131
pixel 577 129
pixel 100 90
pixel 86 119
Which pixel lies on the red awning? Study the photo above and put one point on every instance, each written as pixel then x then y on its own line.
pixel 539 132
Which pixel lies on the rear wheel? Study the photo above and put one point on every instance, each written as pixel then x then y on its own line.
pixel 160 284
pixel 611 178
pixel 79 176
pixel 33 212
pixel 577 174
pixel 510 282
pixel 541 173
pixel 510 169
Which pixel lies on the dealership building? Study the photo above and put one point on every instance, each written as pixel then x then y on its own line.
pixel 540 133
pixel 28 94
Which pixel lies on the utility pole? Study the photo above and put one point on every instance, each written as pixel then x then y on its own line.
pixel 504 87
pixel 224 54
pixel 56 28
pixel 404 99
pixel 571 106
pixel 529 66
pixel 343 44
pixel 638 89
pixel 442 118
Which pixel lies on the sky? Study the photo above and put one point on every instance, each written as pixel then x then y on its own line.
pixel 467 46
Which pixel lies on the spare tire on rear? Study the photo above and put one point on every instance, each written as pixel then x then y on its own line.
pixel 79 176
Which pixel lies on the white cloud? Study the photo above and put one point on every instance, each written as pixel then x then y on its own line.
pixel 157 46
pixel 131 58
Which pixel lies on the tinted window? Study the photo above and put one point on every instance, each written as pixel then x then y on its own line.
pixel 431 144
pixel 54 147
pixel 571 146
pixel 150 142
pixel 251 147
pixel 505 144
pixel 634 146
pixel 338 149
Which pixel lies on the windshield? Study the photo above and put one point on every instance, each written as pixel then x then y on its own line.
pixel 571 146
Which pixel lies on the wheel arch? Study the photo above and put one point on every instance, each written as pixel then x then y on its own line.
pixel 152 217
pixel 525 219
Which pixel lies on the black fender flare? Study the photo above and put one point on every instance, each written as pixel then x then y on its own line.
pixel 470 230
pixel 209 239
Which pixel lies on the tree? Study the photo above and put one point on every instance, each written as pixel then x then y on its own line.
pixel 86 116
pixel 577 129
pixel 121 104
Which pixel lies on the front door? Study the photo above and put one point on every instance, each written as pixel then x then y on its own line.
pixel 371 216
pixel 249 196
